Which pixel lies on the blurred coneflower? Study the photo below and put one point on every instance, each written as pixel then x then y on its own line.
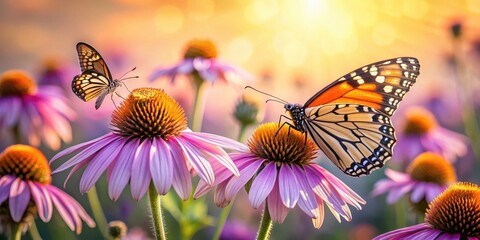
pixel 427 176
pixel 453 215
pixel 52 73
pixel 201 64
pixel 278 170
pixel 422 133
pixel 151 148
pixel 26 191
pixel 32 113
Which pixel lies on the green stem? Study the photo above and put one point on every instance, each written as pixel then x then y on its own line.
pixel 199 103
pixel 265 225
pixel 226 211
pixel 221 221
pixel 17 139
pixel 15 231
pixel 98 212
pixel 400 214
pixel 241 133
pixel 34 231
pixel 157 217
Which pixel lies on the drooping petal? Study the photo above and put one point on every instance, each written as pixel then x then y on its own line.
pixel 99 164
pixel 320 212
pixel 219 197
pixel 277 210
pixel 79 147
pixel 161 166
pixel 198 162
pixel 237 182
pixel 92 149
pixel 288 186
pixel 141 177
pixel 307 200
pixel 19 198
pixel 220 141
pixel 121 171
pixel 5 184
pixel 262 185
pixel 418 192
pixel 42 201
pixel 182 182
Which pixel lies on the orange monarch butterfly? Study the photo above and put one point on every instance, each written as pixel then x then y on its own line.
pixel 95 79
pixel 349 119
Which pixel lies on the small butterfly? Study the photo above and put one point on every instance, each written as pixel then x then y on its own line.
pixel 95 79
pixel 349 119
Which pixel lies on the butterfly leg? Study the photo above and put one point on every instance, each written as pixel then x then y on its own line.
pixel 127 88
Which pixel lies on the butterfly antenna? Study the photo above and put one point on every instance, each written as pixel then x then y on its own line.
pixel 121 78
pixel 270 95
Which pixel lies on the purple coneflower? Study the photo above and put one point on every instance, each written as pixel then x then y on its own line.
pixel 421 133
pixel 427 176
pixel 453 215
pixel 30 113
pixel 26 190
pixel 201 65
pixel 200 60
pixel 149 142
pixel 278 170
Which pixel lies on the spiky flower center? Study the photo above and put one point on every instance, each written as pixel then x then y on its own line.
pixel 281 145
pixel 419 121
pixel 456 210
pixel 200 48
pixel 431 167
pixel 25 162
pixel 16 83
pixel 149 113
pixel 117 229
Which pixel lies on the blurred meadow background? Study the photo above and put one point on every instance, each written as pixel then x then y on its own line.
pixel 292 48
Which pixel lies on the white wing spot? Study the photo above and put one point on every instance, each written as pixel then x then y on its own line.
pixel 373 71
pixel 388 89
pixel 380 79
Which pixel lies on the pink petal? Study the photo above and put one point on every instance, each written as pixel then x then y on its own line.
pixel 89 149
pixel 398 192
pixel 121 169
pixel 140 179
pixel 19 199
pixel 397 176
pixel 418 192
pixel 216 140
pixel 42 201
pixel 5 184
pixel 219 197
pixel 320 212
pixel 288 186
pixel 237 182
pixel 100 163
pixel 262 185
pixel 307 198
pixel 181 176
pixel 161 166
pixel 199 163
pixel 277 210
pixel 13 107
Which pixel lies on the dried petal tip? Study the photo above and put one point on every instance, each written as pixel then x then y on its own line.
pixel 25 162
pixel 117 229
pixel 419 121
pixel 149 113
pixel 282 145
pixel 457 210
pixel 431 167
pixel 16 83
pixel 200 48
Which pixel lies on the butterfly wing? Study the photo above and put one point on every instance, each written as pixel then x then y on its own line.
pixel 358 139
pixel 381 85
pixel 89 85
pixel 90 59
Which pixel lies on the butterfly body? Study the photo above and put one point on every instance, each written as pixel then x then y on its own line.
pixel 95 81
pixel 349 119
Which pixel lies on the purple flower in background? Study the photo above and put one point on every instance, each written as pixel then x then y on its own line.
pixel 427 176
pixel 150 142
pixel 26 190
pixel 30 114
pixel 278 170
pixel 421 133
pixel 234 230
pixel 453 215
pixel 200 60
